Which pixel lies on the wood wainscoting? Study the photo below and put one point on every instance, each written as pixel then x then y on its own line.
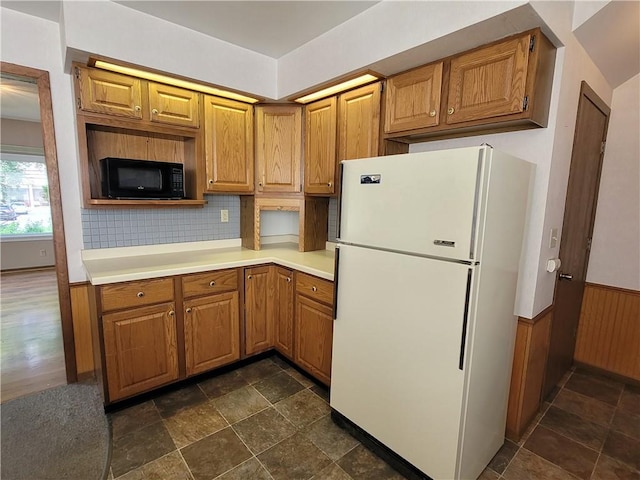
pixel 527 375
pixel 80 312
pixel 608 335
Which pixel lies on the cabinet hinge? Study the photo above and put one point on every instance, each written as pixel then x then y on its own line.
pixel 602 145
pixel 589 244
pixel 525 103
pixel 78 103
pixel 532 43
pixel 381 87
pixel 77 72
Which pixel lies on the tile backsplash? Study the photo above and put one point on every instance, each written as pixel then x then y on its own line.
pixel 148 226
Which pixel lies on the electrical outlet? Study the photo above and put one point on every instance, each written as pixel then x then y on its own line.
pixel 43 253
pixel 224 216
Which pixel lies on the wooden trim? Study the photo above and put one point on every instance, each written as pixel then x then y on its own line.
pixel 60 251
pixel 537 318
pixel 608 336
pixel 80 309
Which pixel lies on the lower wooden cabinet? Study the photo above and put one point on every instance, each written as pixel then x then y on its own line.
pixel 283 311
pixel 211 332
pixel 314 326
pixel 258 321
pixel 140 349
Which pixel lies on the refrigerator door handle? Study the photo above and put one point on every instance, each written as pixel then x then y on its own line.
pixel 336 265
pixel 465 319
pixel 340 188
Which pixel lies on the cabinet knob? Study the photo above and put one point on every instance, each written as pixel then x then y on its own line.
pixel 140 294
pixel 249 277
pixel 210 182
pixel 171 313
pixel 288 279
pixel 154 111
pixel 450 110
pixel 432 113
pixel 212 283
pixel 188 310
pixel 137 108
pixel 260 184
pixel 314 289
pixel 330 184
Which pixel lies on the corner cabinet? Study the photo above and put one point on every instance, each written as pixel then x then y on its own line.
pixel 283 311
pixel 258 296
pixel 502 86
pixel 278 148
pixel 228 146
pixel 314 326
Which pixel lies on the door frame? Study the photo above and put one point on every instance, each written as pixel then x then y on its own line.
pixel 41 78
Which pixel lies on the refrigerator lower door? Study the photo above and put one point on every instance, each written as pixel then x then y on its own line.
pixel 396 353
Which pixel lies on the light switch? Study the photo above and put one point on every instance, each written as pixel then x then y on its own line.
pixel 224 216
pixel 553 238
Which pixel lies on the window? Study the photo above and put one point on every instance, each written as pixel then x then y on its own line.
pixel 24 196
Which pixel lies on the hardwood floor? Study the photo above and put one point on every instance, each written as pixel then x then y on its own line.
pixel 31 350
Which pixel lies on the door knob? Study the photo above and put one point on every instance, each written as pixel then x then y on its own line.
pixel 566 276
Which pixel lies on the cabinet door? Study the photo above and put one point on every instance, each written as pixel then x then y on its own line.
pixel 413 99
pixel 359 123
pixel 140 349
pixel 173 105
pixel 211 332
pixel 111 93
pixel 283 311
pixel 320 146
pixel 488 82
pixel 314 337
pixel 279 148
pixel 228 146
pixel 258 310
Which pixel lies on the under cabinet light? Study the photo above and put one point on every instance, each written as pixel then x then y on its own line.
pixel 341 87
pixel 156 77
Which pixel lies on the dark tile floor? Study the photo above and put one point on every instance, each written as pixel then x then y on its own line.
pixel 267 421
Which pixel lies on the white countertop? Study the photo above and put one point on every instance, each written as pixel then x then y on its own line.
pixel 137 263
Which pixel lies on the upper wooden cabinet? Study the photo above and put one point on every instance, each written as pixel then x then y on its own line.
pixel 413 99
pixel 173 105
pixel 111 93
pixel 228 146
pixel 359 122
pixel 503 86
pixel 320 146
pixel 489 82
pixel 279 148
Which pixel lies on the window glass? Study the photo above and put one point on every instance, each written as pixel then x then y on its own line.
pixel 24 196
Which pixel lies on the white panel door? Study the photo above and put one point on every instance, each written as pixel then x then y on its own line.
pixel 424 202
pixel 396 353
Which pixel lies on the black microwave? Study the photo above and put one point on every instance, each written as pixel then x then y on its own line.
pixel 141 179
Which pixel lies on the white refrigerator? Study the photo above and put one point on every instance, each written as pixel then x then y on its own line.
pixel 427 263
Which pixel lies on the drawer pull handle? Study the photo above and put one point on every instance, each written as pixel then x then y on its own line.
pixel 154 111
pixel 137 108
pixel 171 313
pixel 451 110
pixel 314 289
pixel 288 279
pixel 140 294
pixel 249 277
pixel 212 283
pixel 210 182
pixel 432 113
pixel 188 310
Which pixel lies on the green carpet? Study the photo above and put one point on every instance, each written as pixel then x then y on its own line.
pixel 60 434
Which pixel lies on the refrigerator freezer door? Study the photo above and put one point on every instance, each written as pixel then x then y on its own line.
pixel 424 203
pixel 396 353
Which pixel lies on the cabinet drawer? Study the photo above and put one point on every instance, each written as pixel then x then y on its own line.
pixel 209 282
pixel 136 294
pixel 316 288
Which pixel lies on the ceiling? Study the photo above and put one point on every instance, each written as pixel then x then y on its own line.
pixel 19 100
pixel 611 36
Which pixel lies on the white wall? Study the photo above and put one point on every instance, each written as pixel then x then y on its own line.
pixel 35 43
pixel 19 253
pixel 615 250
